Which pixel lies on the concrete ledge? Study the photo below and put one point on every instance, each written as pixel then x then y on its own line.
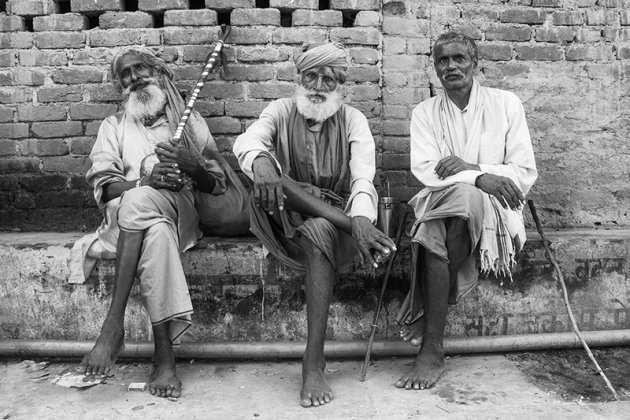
pixel 239 294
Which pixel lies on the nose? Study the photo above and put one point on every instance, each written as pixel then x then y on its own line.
pixel 450 64
pixel 319 83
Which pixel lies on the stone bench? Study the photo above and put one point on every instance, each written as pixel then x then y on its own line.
pixel 241 294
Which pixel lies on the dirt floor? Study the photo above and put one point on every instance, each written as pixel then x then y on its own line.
pixel 541 385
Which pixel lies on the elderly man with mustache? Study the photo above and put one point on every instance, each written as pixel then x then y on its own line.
pixel 312 160
pixel 149 219
pixel 471 149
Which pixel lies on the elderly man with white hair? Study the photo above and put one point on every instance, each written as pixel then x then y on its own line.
pixel 312 160
pixel 149 219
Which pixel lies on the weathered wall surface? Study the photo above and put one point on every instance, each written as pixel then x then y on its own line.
pixel 566 59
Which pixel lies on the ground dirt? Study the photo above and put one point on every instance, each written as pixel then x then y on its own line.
pixel 489 386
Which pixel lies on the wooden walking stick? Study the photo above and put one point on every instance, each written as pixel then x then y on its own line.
pixel 148 162
pixel 390 263
pixel 565 295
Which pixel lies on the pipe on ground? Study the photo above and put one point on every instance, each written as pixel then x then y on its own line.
pixel 333 349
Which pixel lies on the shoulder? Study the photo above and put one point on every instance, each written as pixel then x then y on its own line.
pixel 279 106
pixel 352 113
pixel 112 122
pixel 505 97
pixel 424 107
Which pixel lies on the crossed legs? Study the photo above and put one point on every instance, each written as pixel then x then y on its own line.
pixel 438 277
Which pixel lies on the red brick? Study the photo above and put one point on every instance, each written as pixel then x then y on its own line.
pixel 59 199
pixel 623 53
pixel 361 36
pixel 224 125
pixel 394 80
pixel 61 22
pixel 16 40
pixel 223 5
pixel 159 5
pixel 222 90
pixel 59 40
pixel 408 96
pixel 359 93
pixel 287 72
pixel 508 33
pixel 8 147
pixel 253 17
pixel 14 131
pixel 602 71
pixel 190 18
pixel 29 112
pixel 11 23
pixel 82 145
pixel 396 112
pixel 21 77
pixel 602 17
pixel 367 18
pixel 92 111
pixel 7 59
pixel 394 45
pixel 588 53
pixel 57 129
pixel 8 183
pixel 92 7
pixel 613 3
pixel 32 7
pixel 15 95
pixel 395 128
pixel 538 53
pixel 59 94
pixel 241 35
pixel 190 72
pixel 547 3
pixel 51 147
pixel 555 34
pixel 43 182
pixel 271 90
pixel 625 17
pixel 588 35
pixel 91 127
pixel 102 56
pixel 495 52
pixel 317 18
pixel 6 114
pixel 210 109
pixel 294 4
pixel 298 35
pixel 122 37
pixel 364 55
pixel 355 4
pixel 393 161
pixel 179 36
pixel 568 18
pixel 247 109
pixel 37 58
pixel 76 76
pixel 23 200
pixel 616 34
pixel 196 53
pixel 403 26
pixel 261 54
pixel 364 74
pixel 470 29
pixel 125 20
pixel 250 73
pixel 405 62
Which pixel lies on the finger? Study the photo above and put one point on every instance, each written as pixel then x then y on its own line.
pixel 279 197
pixel 265 198
pixel 510 198
pixel 257 195
pixel 369 258
pixel 166 146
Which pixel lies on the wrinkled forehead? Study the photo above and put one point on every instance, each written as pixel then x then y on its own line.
pixel 129 59
pixel 451 49
pixel 320 71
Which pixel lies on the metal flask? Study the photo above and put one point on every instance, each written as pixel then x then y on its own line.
pixel 388 209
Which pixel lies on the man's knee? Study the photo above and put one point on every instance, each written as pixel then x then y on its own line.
pixel 469 193
pixel 138 200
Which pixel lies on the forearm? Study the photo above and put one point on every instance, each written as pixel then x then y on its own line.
pixel 115 189
pixel 204 180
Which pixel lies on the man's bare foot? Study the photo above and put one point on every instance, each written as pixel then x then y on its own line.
pixel 413 332
pixel 315 389
pixel 103 355
pixel 164 381
pixel 428 368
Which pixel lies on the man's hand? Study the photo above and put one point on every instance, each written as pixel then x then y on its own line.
pixel 371 241
pixel 267 184
pixel 452 165
pixel 165 175
pixel 503 188
pixel 178 154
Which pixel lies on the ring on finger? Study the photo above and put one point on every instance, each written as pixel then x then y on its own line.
pixel 162 178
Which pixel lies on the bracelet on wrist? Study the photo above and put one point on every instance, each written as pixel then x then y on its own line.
pixel 139 182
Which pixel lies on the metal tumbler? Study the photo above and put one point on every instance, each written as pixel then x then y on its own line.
pixel 388 209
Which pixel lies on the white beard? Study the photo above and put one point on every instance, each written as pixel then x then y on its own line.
pixel 317 111
pixel 144 103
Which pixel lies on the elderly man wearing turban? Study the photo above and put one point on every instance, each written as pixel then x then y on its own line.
pixel 312 160
pixel 150 219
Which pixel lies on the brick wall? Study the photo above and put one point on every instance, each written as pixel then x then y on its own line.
pixel 566 59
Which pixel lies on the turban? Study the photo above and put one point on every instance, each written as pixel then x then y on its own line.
pixel 145 54
pixel 321 55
